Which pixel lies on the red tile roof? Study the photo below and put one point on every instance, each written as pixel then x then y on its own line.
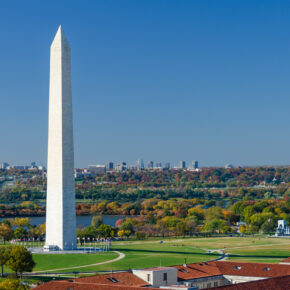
pixel 197 270
pixel 253 269
pixel 207 269
pixel 66 285
pixel 120 278
pixel 277 283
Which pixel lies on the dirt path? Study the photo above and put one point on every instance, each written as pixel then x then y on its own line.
pixel 121 256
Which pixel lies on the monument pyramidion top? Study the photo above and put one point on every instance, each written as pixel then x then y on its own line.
pixel 60 39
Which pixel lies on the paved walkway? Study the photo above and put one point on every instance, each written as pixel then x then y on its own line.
pixel 121 256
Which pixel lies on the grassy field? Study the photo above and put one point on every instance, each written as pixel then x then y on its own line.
pixel 151 253
pixel 249 249
pixel 59 261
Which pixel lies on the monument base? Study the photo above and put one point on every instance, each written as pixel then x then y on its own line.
pixel 42 250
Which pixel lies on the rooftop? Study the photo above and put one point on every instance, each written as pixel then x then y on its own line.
pixel 157 269
pixel 67 285
pixel 121 278
pixel 252 269
pixel 277 283
pixel 287 260
pixel 197 270
pixel 127 280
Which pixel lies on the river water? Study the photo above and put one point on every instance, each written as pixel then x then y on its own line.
pixel 82 221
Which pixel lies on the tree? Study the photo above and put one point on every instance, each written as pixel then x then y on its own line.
pixel 6 232
pixel 191 226
pixel 197 213
pixel 20 232
pixel 215 225
pixel 268 226
pixel 214 213
pixel 6 222
pixel 227 229
pixel 41 229
pixel 122 233
pixel 127 225
pixel 97 220
pixel 141 235
pixel 161 226
pixel 248 212
pixel 22 222
pixel 243 229
pixel 181 228
pixel 253 229
pixel 91 232
pixel 238 208
pixel 105 231
pixel 4 256
pixel 257 219
pixel 20 260
pixel 34 232
pixel 118 223
pixel 14 284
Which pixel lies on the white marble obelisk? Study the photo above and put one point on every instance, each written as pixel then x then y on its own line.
pixel 60 199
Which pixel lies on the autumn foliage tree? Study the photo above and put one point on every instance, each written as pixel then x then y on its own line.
pixel 20 260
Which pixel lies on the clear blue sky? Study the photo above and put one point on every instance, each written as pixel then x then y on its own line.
pixel 161 80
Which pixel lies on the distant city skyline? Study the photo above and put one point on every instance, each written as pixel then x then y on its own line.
pixel 139 164
pixel 157 80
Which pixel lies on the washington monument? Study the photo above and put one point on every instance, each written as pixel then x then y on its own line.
pixel 60 199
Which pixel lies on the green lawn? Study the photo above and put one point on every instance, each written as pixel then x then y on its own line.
pixel 60 261
pixel 173 251
pixel 250 249
pixel 272 253
pixel 153 255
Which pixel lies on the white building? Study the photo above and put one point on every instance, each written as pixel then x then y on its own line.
pixel 95 169
pixel 157 277
pixel 4 165
pixel 282 229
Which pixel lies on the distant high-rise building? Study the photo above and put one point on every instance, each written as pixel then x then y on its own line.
pixel 41 168
pixel 182 164
pixel 19 167
pixel 150 164
pixel 78 173
pixel 159 165
pixel 110 165
pixel 167 165
pixel 195 164
pixel 140 164
pixel 4 165
pixel 97 169
pixel 122 166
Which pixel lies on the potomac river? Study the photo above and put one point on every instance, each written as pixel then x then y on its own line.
pixel 82 221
